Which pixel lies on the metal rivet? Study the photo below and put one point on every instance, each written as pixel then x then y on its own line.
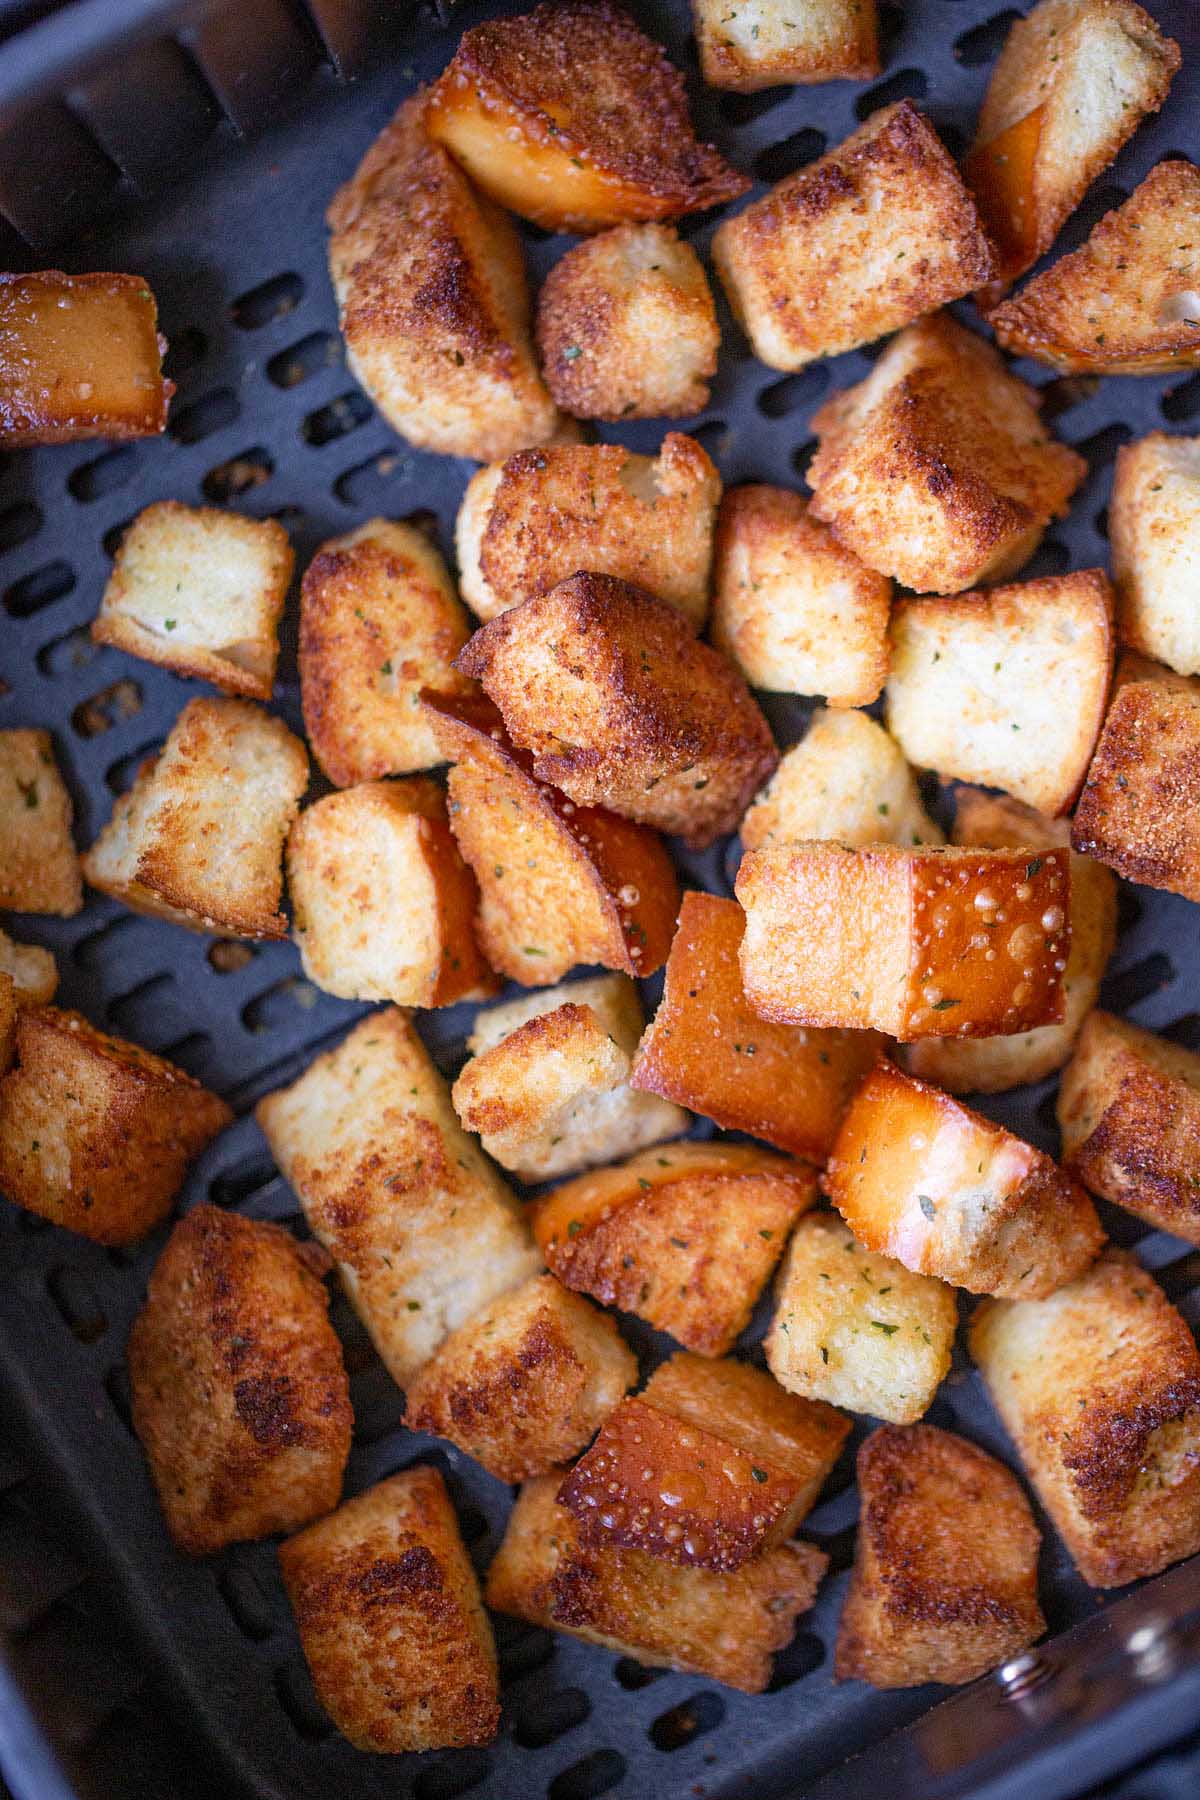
pixel 1021 1674
pixel 1152 1647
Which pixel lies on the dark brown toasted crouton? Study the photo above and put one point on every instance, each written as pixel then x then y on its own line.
pixel 945 1563
pixel 201 592
pixel 95 1133
pixel 710 1465
pixel 1099 1388
pixel 572 117
pixel 686 1237
pixel 239 1394
pixel 39 866
pixel 423 1230
pixel 750 46
pixel 620 706
pixel 796 611
pixel 1073 82
pixel 390 1618
pixel 930 942
pixel 433 300
pixel 523 1385
pixel 706 1048
pixel 28 977
pixel 918 1176
pixel 853 246
pixel 1154 525
pixel 937 468
pixel 703 1621
pixel 80 357
pixel 559 884
pixel 846 780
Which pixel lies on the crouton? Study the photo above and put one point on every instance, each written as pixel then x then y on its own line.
pixel 795 611
pixel 760 43
pixel 572 117
pixel 39 867
pixel 1154 527
pixel 80 357
pixel 96 1134
pixel 937 469
pixel 914 953
pixel 396 1190
pixel 379 620
pixel 846 780
pixel 239 1394
pixel 199 837
pixel 1073 82
pixel 920 1177
pixel 858 1330
pixel 200 591
pixel 945 1563
pixel 621 707
pixel 1099 1388
pixel 433 301
pixel 559 885
pixel 550 512
pixel 547 1087
pixel 707 1049
pixel 390 1618
pixel 685 1237
pixel 726 1626
pixel 976 684
pixel 523 1385
pixel 1139 811
pixel 28 977
pixel 710 1465
pixel 856 245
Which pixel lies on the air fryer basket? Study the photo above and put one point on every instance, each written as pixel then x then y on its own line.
pixel 125 1670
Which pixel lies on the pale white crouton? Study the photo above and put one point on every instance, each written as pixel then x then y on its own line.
pixel 846 779
pixel 750 44
pixel 39 865
pixel 28 977
pixel 1154 527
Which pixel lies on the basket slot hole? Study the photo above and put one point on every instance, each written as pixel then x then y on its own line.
pixel 784 158
pixel 1046 1111
pixel 1183 402
pixel 633 1675
pixel 290 367
pixel 522 1650
pixel 238 476
pixel 103 475
pixel 248 1601
pixel 68 654
pixel 275 1008
pixel 271 300
pixel 793 393
pixel 109 943
pixel 237 1185
pixel 1089 212
pixel 684 1723
pixel 982 42
pixel 203 417
pixel 192 1053
pixel 1064 392
pixel 800 458
pixel 804 1654
pixel 1050 558
pixel 548 1717
pixel 296 1695
pixel 116 1386
pixel 456 1775
pixel 905 84
pixel 42 587
pixel 111 705
pixel 593 1775
pixel 143 1006
pixel 1185 1031
pixel 228 955
pixel 1101 522
pixel 338 419
pixel 110 543
pixel 75 1298
pixel 367 484
pixel 1128 987
pixel 19 523
pixel 744 109
pixel 186 350
pixel 1102 446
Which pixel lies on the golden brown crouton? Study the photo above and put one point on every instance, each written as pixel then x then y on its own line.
pixel 855 1329
pixel 573 118
pixel 523 1385
pixel 559 884
pixel 796 612
pixel 750 44
pixel 433 302
pixel 846 780
pixel 1154 526
pixel 80 357
pixel 920 1177
pixel 383 905
pixel 929 943
pixel 708 1049
pixel 379 620
pixel 96 1134
pixel 686 1237
pixel 937 468
pixel 945 1563
pixel 723 1625
pixel 201 592
pixel 423 1230
pixel 1073 82
pixel 1099 1388
pixel 388 1608
pixel 238 1389
pixel 709 1466
pixel 28 977
pixel 878 231
pixel 621 707
pixel 39 867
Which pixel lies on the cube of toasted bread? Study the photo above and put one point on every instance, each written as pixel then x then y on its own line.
pixel 96 1134
pixel 80 357
pixel 765 42
pixel 705 1622
pixel 937 468
pixel 855 245
pixel 856 1329
pixel 710 1465
pixel 201 592
pixel 686 1237
pixel 394 1189
pixel 1099 1388
pixel 379 620
pixel 1154 527
pixel 1073 82
pixel 39 866
pixel 28 977
pixel 390 1618
pixel 797 612
pixel 239 1393
pixel 846 780
pixel 929 942
pixel 945 1563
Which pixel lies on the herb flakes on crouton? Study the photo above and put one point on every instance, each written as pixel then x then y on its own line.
pixel 39 865
pixel 1154 526
pixel 846 780
pixel 750 44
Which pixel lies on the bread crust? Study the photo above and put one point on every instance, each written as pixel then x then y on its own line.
pixel 81 358
pixel 39 865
